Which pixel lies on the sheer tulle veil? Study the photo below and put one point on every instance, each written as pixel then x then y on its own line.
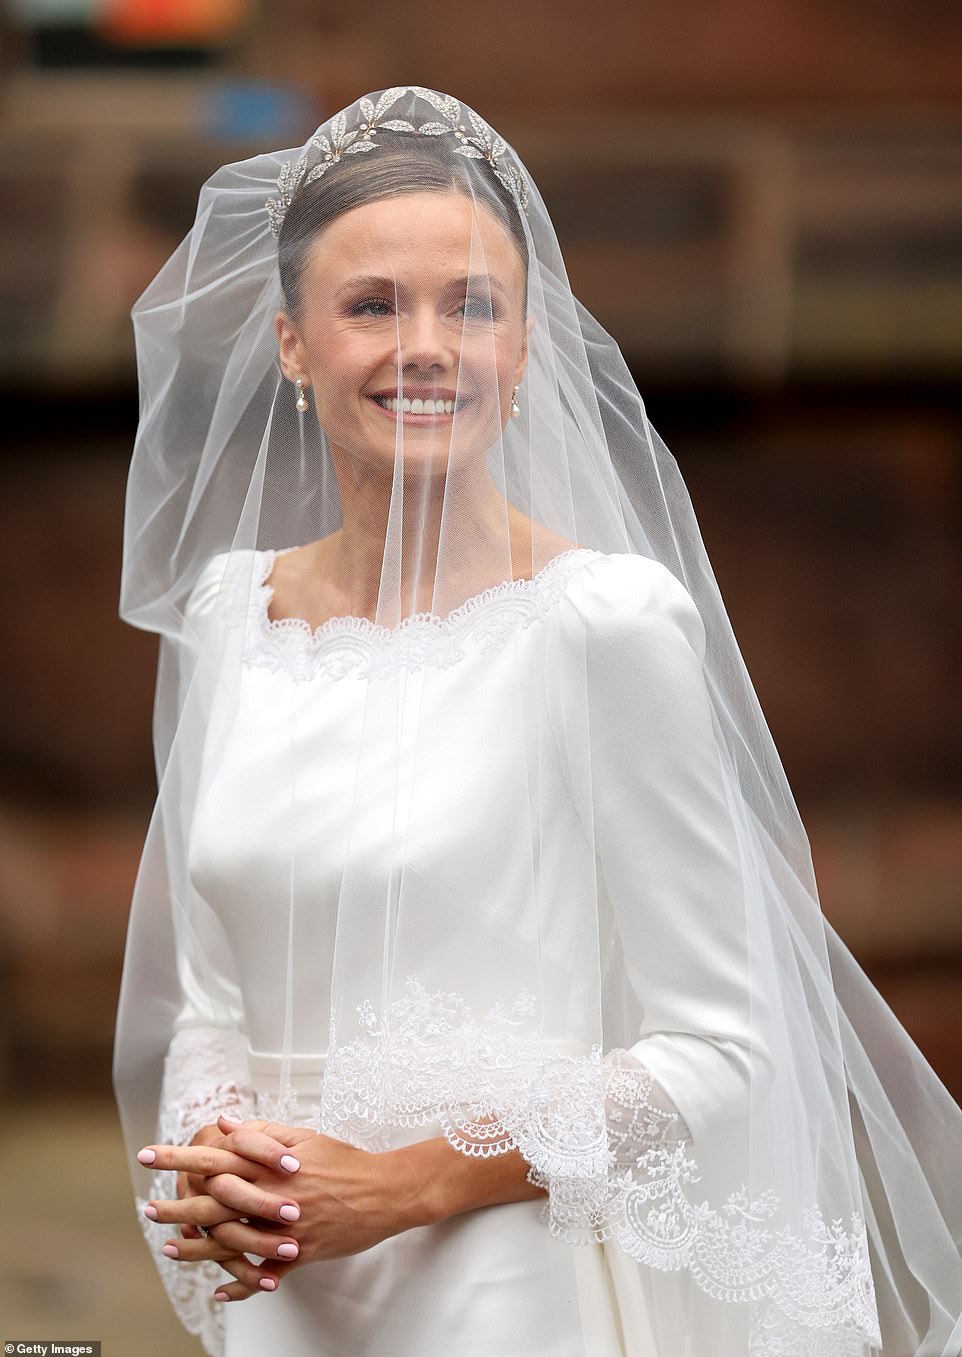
pixel 638 989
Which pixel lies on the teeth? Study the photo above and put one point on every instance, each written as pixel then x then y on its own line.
pixel 416 406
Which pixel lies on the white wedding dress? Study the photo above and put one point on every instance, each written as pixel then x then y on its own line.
pixel 492 1281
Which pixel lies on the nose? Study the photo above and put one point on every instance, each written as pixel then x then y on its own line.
pixel 424 342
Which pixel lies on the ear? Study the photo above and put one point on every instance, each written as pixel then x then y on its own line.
pixel 290 347
pixel 523 355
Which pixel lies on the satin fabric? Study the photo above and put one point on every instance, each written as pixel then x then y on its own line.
pixel 492 1280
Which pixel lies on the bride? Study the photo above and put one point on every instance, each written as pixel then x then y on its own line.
pixel 476 983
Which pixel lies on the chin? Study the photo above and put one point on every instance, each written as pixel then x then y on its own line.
pixel 424 446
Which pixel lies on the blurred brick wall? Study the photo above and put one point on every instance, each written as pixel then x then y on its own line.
pixel 552 57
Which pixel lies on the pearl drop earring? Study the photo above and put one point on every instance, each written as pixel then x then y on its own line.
pixel 301 403
pixel 515 407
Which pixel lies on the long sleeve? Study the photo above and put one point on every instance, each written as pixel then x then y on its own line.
pixel 204 1075
pixel 632 642
pixel 205 1069
pixel 704 1173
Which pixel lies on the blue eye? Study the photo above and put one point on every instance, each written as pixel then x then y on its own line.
pixel 372 306
pixel 478 308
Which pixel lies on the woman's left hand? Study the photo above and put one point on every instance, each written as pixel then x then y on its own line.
pixel 349 1200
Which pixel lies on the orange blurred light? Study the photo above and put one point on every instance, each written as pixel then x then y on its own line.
pixel 149 22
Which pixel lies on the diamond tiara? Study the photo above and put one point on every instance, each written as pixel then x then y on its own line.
pixel 477 141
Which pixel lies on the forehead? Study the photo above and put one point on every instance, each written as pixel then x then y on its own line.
pixel 422 232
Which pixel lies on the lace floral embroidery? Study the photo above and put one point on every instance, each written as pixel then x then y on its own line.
pixel 204 1075
pixel 356 646
pixel 613 1154
pixel 601 1137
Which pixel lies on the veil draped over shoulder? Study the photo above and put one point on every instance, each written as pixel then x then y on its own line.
pixel 468 813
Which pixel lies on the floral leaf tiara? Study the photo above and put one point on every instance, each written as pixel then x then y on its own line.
pixel 477 142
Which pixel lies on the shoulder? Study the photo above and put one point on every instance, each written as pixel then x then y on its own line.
pixel 623 597
pixel 218 582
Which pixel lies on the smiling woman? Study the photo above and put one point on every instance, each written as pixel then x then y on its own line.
pixel 406 290
pixel 372 266
pixel 475 892
pixel 386 279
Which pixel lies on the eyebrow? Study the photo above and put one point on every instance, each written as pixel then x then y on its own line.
pixel 368 281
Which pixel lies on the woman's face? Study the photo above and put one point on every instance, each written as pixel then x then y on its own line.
pixel 412 299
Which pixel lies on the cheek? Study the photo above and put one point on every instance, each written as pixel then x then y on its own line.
pixel 336 346
pixel 492 357
pixel 341 363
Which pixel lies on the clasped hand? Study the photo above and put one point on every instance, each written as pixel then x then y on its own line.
pixel 243 1184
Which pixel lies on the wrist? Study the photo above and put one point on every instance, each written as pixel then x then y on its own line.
pixel 433 1181
pixel 418 1180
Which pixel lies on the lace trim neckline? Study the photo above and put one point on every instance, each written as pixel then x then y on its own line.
pixel 356 646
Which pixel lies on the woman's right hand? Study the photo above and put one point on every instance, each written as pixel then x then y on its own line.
pixel 264 1142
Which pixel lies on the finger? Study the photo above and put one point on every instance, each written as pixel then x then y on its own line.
pixel 195 1185
pixel 268 1243
pixel 247 1199
pixel 194 1231
pixel 190 1185
pixel 232 1238
pixel 204 1249
pixel 262 1147
pixel 250 1280
pixel 286 1135
pixel 203 1160
pixel 189 1214
pixel 229 1198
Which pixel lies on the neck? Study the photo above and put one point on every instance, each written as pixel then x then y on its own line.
pixel 466 506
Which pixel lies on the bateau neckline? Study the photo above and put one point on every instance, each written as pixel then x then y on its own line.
pixel 350 622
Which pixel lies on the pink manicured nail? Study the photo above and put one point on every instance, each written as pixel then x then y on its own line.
pixel 287 1250
pixel 150 1212
pixel 232 1116
pixel 290 1163
pixel 221 1295
pixel 267 1284
pixel 171 1250
pixel 146 1156
pixel 290 1213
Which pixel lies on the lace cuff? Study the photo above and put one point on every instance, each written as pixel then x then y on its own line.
pixel 812 1292
pixel 614 1154
pixel 639 1134
pixel 205 1073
